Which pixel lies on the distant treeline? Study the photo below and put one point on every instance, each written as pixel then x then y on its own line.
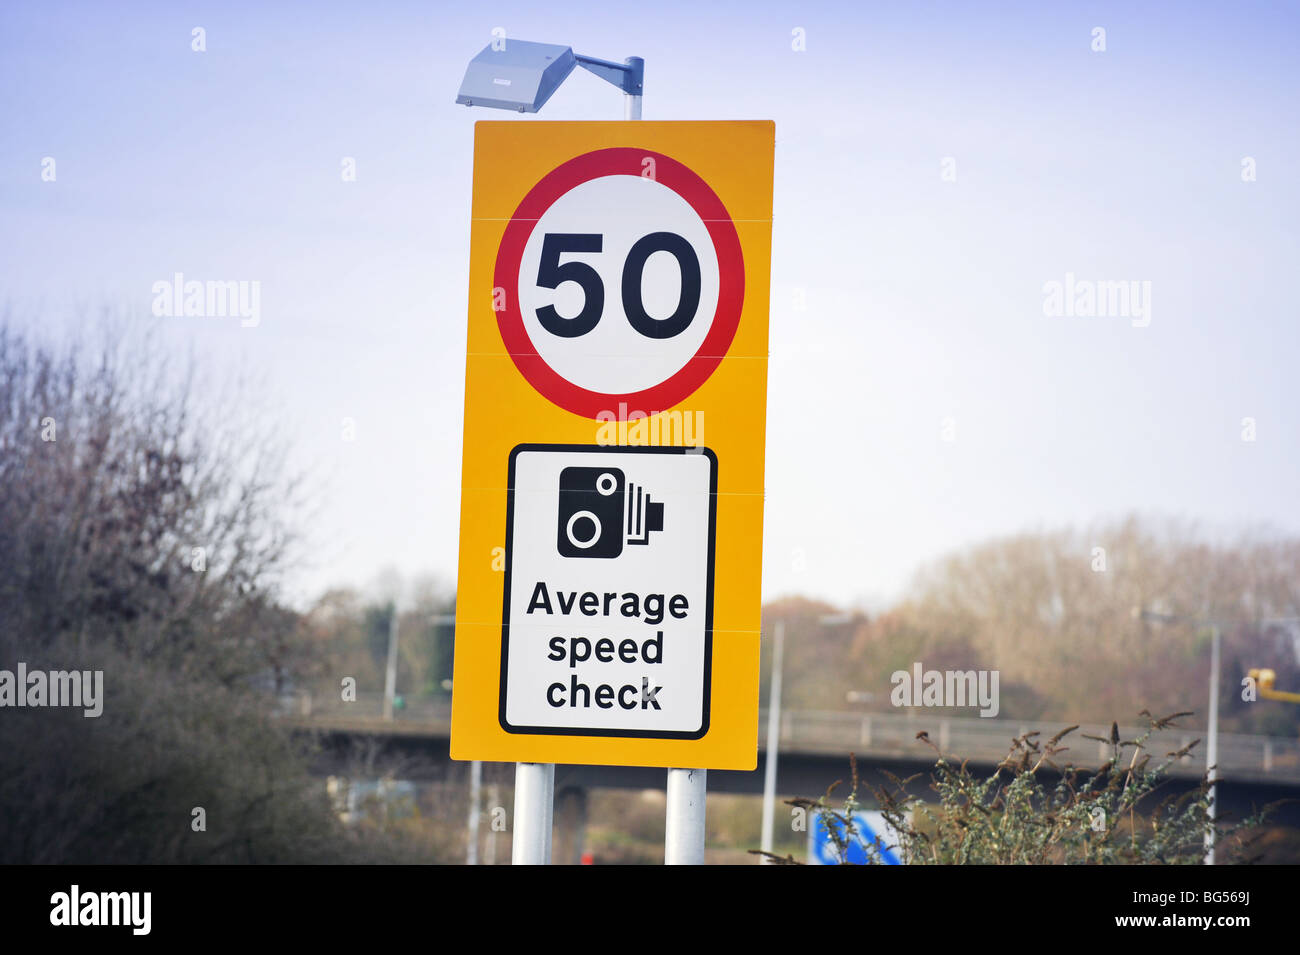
pixel 1058 615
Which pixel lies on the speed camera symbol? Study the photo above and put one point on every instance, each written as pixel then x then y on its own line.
pixel 600 511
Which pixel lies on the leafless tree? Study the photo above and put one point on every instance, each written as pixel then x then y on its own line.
pixel 144 528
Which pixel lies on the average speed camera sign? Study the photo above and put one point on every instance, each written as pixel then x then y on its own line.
pixel 612 479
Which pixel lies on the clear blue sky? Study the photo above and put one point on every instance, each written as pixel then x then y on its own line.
pixel 924 297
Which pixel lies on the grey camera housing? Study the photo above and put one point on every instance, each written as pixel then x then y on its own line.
pixel 520 76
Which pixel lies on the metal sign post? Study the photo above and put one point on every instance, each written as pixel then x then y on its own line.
pixel 534 807
pixel 632 100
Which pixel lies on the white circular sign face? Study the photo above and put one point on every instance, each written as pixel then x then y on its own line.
pixel 618 284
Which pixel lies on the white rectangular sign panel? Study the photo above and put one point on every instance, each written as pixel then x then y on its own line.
pixel 608 617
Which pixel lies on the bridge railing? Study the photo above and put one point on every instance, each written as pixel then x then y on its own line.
pixel 366 711
pixel 981 741
pixel 1257 758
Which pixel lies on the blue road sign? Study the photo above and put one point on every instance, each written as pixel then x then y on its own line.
pixel 875 841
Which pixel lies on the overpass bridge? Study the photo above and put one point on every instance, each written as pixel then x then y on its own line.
pixel 814 748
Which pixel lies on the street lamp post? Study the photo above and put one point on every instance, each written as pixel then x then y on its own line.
pixel 390 672
pixel 390 694
pixel 521 75
pixel 1212 735
pixel 1212 732
pixel 773 738
pixel 1212 743
pixel 774 727
pixel 475 767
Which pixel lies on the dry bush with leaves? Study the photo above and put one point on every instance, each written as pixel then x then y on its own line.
pixel 1035 808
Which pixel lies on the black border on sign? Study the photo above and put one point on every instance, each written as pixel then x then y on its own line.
pixel 708 601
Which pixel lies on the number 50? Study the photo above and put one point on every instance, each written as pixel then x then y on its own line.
pixel 551 273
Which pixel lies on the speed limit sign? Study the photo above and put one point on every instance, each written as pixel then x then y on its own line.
pixel 612 476
pixel 641 311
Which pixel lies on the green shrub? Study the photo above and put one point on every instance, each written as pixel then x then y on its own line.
pixel 1033 810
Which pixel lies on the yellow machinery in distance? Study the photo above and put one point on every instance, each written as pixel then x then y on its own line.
pixel 1264 680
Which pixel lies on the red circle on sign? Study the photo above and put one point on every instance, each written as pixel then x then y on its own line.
pixel 621 161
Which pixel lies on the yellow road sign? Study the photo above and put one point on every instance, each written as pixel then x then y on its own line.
pixel 612 481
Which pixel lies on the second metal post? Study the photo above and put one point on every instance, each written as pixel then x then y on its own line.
pixel 684 828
